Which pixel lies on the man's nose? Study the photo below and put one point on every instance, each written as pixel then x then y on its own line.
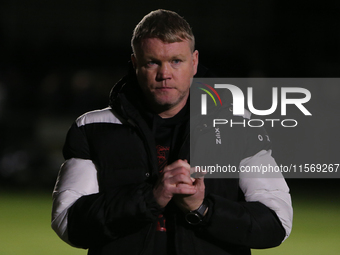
pixel 164 72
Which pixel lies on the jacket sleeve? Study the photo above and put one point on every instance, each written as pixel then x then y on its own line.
pixel 76 178
pixel 268 187
pixel 264 220
pixel 85 216
pixel 99 218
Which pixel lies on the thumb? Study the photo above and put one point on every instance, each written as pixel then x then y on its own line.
pixel 199 181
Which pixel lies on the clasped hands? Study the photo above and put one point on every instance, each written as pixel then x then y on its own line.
pixel 175 183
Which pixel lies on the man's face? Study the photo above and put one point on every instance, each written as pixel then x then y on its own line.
pixel 164 71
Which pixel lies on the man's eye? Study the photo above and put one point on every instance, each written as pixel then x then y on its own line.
pixel 151 63
pixel 176 61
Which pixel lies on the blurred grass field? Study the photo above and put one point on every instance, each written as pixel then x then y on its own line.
pixel 25 226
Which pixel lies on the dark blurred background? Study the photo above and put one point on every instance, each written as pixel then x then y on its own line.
pixel 59 59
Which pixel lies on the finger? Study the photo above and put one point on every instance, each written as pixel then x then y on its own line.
pixel 180 178
pixel 186 161
pixel 199 182
pixel 178 163
pixel 196 172
pixel 177 171
pixel 184 189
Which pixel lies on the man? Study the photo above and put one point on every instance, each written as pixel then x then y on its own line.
pixel 126 188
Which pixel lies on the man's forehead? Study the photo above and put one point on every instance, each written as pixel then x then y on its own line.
pixel 157 47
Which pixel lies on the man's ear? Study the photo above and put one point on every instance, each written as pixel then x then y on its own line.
pixel 133 60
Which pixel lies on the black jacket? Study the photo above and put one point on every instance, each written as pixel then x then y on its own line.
pixel 121 217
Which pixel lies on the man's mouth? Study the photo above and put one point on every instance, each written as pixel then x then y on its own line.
pixel 164 88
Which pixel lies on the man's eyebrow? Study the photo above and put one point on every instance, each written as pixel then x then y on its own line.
pixel 157 58
pixel 178 56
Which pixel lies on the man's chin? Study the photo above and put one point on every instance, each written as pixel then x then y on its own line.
pixel 159 106
pixel 163 106
pixel 164 103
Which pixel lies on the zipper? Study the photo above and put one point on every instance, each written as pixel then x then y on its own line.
pixel 133 124
pixel 148 151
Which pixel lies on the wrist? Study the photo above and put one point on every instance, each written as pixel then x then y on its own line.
pixel 195 217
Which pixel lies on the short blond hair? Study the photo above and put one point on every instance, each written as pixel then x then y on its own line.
pixel 165 25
